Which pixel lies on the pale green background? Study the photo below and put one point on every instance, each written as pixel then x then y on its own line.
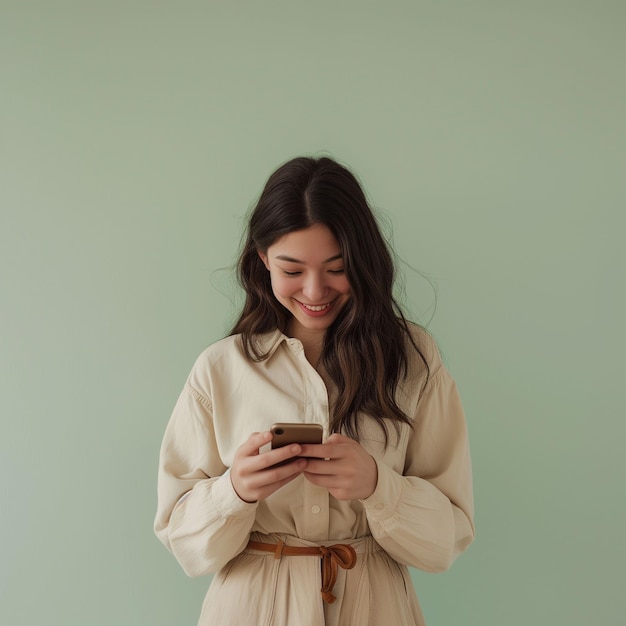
pixel 136 135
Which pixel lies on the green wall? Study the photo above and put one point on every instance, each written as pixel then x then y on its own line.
pixel 135 136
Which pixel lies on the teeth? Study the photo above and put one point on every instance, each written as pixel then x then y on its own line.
pixel 317 308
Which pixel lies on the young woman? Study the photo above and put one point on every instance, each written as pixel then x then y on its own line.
pixel 316 534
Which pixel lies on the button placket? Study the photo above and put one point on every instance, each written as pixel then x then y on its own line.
pixel 316 512
pixel 316 509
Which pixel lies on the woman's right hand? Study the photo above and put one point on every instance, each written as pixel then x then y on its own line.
pixel 255 476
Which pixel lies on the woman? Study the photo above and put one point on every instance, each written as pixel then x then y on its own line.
pixel 320 340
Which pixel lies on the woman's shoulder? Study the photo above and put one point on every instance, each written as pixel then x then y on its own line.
pixel 423 347
pixel 231 348
pixel 219 349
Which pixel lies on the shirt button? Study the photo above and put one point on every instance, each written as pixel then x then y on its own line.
pixel 315 509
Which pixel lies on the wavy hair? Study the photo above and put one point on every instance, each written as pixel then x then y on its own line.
pixel 365 350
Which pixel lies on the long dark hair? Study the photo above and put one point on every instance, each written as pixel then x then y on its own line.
pixel 365 350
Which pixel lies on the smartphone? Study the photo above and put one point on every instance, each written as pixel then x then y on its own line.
pixel 285 433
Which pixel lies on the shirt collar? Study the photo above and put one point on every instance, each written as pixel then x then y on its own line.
pixel 268 342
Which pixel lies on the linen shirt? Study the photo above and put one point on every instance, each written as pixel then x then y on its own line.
pixel 420 513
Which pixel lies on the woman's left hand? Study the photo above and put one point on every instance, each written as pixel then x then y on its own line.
pixel 342 466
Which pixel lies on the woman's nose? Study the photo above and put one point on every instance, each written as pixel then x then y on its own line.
pixel 314 289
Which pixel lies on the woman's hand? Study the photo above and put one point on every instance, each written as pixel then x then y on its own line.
pixel 342 466
pixel 254 476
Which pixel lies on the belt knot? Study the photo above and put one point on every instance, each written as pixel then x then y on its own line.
pixel 338 555
pixel 333 557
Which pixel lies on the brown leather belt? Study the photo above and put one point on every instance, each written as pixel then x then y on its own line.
pixel 337 555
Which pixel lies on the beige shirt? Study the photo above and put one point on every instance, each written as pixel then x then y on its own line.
pixel 420 512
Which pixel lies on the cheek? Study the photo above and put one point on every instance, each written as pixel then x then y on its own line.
pixel 344 286
pixel 281 285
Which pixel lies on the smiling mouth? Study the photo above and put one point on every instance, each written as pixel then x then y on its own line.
pixel 316 308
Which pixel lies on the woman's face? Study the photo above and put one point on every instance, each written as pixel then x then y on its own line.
pixel 307 274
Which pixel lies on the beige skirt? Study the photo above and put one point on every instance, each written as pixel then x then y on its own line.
pixel 256 589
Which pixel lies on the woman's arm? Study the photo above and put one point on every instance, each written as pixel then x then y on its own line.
pixel 200 518
pixel 424 518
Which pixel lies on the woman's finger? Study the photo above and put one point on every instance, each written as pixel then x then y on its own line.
pixel 255 441
pixel 278 455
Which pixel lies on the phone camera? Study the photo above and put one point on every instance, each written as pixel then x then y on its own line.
pixel 279 431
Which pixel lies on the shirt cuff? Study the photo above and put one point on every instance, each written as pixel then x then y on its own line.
pixel 384 501
pixel 226 500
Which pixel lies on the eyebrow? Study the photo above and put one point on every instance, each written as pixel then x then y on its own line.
pixel 282 257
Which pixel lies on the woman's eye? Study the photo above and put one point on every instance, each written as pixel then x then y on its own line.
pixel 286 273
pixel 336 271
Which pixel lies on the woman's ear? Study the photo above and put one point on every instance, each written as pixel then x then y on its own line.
pixel 263 258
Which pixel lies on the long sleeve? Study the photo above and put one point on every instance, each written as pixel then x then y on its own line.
pixel 200 517
pixel 424 518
